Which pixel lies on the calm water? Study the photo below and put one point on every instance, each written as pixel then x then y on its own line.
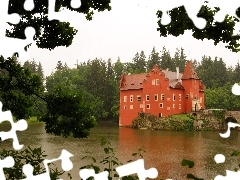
pixel 164 149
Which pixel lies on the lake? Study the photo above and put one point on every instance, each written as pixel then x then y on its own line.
pixel 164 149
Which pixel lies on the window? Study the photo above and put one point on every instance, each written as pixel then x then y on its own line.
pixel 125 99
pixel 147 98
pixel 160 105
pixel 200 99
pixel 180 106
pixel 157 81
pixel 179 97
pixel 174 97
pixel 131 106
pixel 156 97
pixel 162 96
pixel 148 106
pixel 153 82
pixel 131 98
pixel 139 98
pixel 168 108
pixel 187 96
pixel 173 106
pixel 160 115
pixel 141 105
pixel 125 107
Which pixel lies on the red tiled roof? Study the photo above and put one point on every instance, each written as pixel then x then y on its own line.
pixel 189 72
pixel 134 81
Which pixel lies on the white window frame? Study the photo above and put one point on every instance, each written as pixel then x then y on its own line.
pixel 180 106
pixel 153 81
pixel 147 97
pixel 160 104
pixel 141 106
pixel 173 106
pixel 124 107
pixel 139 96
pixel 179 97
pixel 131 106
pixel 162 97
pixel 174 97
pixel 157 81
pixel 131 98
pixel 147 106
pixel 125 99
pixel 187 96
pixel 156 95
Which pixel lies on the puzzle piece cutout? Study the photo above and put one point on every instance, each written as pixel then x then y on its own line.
pixel 20 125
pixel 5 163
pixel 66 165
pixel 227 133
pixel 137 167
pixel 87 173
pixel 9 45
pixel 230 175
pixel 193 7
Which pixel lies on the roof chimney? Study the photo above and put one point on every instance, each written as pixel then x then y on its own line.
pixel 177 69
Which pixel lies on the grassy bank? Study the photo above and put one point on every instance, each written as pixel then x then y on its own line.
pixel 30 120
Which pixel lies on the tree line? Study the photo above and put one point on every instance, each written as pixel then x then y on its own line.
pixel 98 79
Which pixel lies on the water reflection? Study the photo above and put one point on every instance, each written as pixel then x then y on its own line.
pixel 164 149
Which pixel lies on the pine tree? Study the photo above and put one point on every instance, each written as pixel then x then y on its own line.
pixel 154 58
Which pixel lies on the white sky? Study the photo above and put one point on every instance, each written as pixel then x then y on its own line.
pixel 131 26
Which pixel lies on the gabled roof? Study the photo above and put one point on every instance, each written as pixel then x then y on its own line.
pixel 135 81
pixel 189 71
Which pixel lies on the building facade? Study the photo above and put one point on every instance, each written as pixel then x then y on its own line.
pixel 160 92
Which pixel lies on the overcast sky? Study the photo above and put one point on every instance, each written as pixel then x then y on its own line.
pixel 131 26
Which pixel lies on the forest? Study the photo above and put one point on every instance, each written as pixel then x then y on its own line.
pixel 98 80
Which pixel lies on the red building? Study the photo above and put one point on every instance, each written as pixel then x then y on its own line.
pixel 160 92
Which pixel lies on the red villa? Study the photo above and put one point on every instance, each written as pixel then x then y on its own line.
pixel 160 92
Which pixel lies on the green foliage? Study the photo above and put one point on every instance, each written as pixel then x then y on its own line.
pixel 67 113
pixel 18 85
pixel 218 32
pixel 51 34
pixel 35 157
pixel 190 164
pixel 110 161
pixel 219 114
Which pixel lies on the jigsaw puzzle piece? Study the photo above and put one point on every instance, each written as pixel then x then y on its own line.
pixel 66 163
pixel 28 171
pixel 230 175
pixel 13 45
pixel 87 173
pixel 227 133
pixel 5 163
pixel 137 167
pixel 53 15
pixel 29 5
pixel 20 125
pixel 192 9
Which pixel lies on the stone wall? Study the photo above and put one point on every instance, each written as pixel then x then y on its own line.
pixel 235 114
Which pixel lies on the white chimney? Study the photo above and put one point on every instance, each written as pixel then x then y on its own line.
pixel 177 69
